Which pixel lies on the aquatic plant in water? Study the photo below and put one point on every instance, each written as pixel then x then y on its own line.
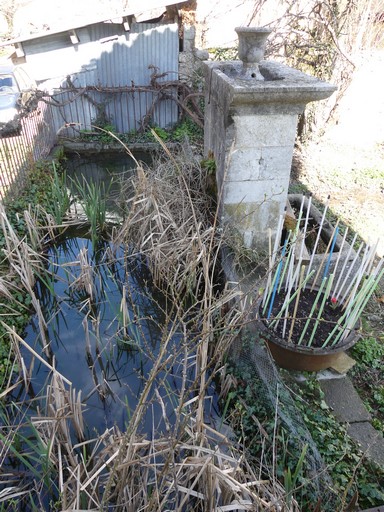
pixel 61 197
pixel 93 200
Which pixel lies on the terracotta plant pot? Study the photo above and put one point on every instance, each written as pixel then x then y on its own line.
pixel 302 358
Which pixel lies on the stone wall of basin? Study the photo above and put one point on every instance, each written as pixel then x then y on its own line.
pixel 250 130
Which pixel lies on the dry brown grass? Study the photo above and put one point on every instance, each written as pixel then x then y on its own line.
pixel 191 465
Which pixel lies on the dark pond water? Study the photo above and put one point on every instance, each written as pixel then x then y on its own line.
pixel 91 348
pixel 104 169
pixel 99 167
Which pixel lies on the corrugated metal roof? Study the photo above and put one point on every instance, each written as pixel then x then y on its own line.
pixel 132 8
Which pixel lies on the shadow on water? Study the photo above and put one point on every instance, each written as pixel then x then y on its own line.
pixel 106 324
pixel 107 170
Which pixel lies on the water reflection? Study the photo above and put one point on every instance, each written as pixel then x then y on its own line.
pixel 107 170
pixel 106 324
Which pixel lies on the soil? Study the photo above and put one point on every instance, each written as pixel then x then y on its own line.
pixel 329 317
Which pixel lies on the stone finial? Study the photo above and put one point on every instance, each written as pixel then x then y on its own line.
pixel 251 50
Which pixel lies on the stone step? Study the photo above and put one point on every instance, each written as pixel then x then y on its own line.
pixel 348 408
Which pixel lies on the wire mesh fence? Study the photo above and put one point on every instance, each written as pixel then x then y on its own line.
pixel 23 145
pixel 251 359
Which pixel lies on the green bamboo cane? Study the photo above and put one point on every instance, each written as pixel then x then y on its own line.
pixel 338 327
pixel 312 310
pixel 358 298
pixel 376 281
pixel 289 262
pixel 351 266
pixel 296 303
pixel 359 308
pixel 270 291
pixel 367 258
pixel 346 260
pixel 344 330
pixel 339 254
pixel 325 297
pixel 285 306
pixel 326 254
pixel 297 228
pixel 275 277
pixel 355 280
pixel 318 235
pixel 288 259
pixel 287 296
pixel 309 203
pixel 272 255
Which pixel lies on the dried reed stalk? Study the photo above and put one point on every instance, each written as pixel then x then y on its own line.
pixel 190 466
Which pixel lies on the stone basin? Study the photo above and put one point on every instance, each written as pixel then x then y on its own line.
pixel 251 116
pixel 282 84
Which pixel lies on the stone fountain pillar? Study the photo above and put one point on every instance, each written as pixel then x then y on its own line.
pixel 251 114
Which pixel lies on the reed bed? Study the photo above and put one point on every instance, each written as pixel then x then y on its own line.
pixel 189 465
pixel 189 469
pixel 169 222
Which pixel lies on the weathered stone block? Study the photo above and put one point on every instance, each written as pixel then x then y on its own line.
pixel 261 191
pixel 250 127
pixel 265 130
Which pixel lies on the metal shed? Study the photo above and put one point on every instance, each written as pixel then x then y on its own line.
pixel 113 63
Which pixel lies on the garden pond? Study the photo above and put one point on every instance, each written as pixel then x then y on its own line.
pixel 103 323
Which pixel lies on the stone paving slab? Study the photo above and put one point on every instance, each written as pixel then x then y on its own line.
pixel 347 407
pixel 370 440
pixel 344 400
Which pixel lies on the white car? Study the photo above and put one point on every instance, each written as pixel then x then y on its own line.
pixel 16 91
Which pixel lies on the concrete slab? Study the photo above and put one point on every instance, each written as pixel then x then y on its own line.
pixel 344 400
pixel 348 408
pixel 370 440
pixel 343 363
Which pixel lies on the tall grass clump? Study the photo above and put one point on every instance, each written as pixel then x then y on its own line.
pixel 61 197
pixel 92 197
